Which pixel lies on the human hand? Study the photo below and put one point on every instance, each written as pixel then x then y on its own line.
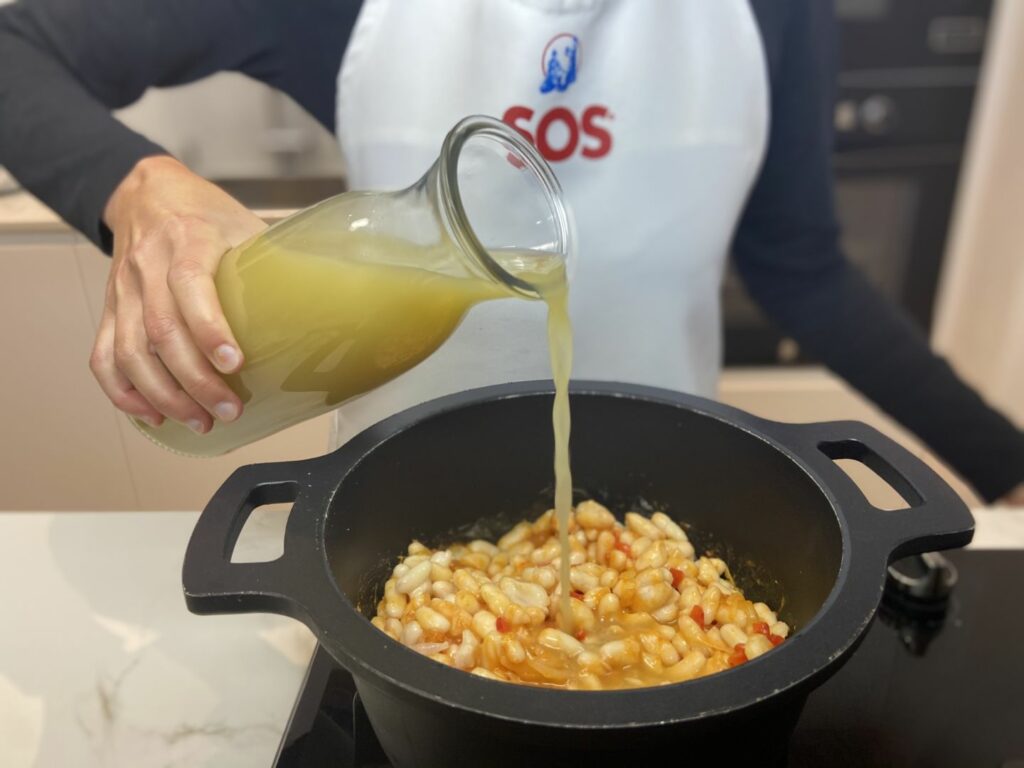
pixel 163 337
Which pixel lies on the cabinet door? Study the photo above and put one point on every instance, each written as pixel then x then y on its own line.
pixel 164 480
pixel 61 446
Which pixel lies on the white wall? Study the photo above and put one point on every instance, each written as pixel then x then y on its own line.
pixel 231 126
pixel 980 313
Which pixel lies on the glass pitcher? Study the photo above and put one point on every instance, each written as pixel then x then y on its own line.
pixel 348 294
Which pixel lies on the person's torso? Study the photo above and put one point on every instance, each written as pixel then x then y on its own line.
pixel 654 117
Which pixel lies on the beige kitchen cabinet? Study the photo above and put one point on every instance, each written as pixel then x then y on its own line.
pixel 64 446
pixel 61 444
pixel 979 319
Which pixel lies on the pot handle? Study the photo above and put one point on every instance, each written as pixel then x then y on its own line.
pixel 935 517
pixel 213 584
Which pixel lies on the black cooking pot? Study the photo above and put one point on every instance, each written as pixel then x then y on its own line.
pixel 764 495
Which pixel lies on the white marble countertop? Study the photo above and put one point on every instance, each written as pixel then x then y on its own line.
pixel 101 664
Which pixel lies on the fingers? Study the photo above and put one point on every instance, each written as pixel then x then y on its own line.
pixel 173 343
pixel 144 369
pixel 191 282
pixel 115 385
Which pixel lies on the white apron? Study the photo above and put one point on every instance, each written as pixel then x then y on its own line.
pixel 654 116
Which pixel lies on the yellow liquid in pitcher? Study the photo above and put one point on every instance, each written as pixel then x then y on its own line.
pixel 318 330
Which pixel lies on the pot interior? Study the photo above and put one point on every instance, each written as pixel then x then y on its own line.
pixel 476 470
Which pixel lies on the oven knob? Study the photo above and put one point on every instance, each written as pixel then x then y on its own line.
pixel 927 578
pixel 788 351
pixel 877 114
pixel 846 116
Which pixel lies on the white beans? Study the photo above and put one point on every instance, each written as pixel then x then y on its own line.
pixel 620 653
pixel 706 572
pixel 546 577
pixel 412 633
pixel 432 621
pixel 484 624
pixel 442 589
pixel 484 547
pixel 643 527
pixel 757 645
pixel 516 535
pixel 667 613
pixel 464 656
pixel 442 557
pixel 429 649
pixel 512 650
pixel 583 578
pixel 414 577
pixel 394 605
pixel 644 611
pixel 495 599
pixel 732 635
pixel 668 526
pixel 654 556
pixel 687 669
pixel 764 613
pixel 609 605
pixel 650 597
pixel 559 641
pixel 590 514
pixel 524 593
pixel 545 554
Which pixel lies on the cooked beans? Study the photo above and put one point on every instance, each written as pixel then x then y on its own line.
pixel 645 610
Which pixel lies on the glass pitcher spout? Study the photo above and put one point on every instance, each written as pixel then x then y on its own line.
pixel 484 171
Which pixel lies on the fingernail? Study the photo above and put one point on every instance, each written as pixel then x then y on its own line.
pixel 195 425
pixel 154 423
pixel 226 411
pixel 226 357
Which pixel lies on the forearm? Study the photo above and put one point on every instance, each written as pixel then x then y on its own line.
pixel 838 317
pixel 55 138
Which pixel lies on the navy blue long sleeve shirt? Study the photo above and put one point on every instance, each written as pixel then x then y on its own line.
pixel 64 64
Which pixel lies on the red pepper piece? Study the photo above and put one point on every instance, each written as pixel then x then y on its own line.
pixel 624 548
pixel 697 614
pixel 776 639
pixel 577 594
pixel 677 577
pixel 738 656
pixel 581 635
pixel 761 627
pixel 501 625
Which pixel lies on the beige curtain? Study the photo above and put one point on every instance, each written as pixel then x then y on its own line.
pixel 980 313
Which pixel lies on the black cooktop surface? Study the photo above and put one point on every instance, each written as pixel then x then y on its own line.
pixel 943 690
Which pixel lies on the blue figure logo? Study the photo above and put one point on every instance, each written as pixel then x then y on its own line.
pixel 558 63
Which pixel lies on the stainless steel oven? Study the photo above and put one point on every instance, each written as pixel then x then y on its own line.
pixel 908 75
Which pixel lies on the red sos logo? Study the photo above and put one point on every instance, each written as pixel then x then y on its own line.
pixel 558 134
